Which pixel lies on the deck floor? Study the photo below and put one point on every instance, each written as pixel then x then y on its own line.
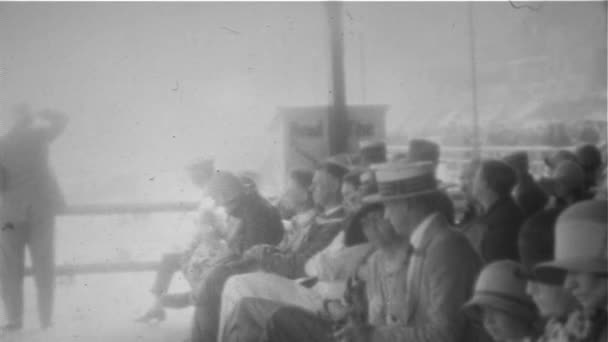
pixel 102 308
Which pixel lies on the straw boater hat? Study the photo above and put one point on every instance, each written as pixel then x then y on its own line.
pixel 502 286
pixel 580 240
pixel 400 179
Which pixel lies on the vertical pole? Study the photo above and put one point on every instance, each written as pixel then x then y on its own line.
pixel 476 139
pixel 363 73
pixel 338 119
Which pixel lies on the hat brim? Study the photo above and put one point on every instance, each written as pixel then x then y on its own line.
pixel 473 306
pixel 376 198
pixel 550 269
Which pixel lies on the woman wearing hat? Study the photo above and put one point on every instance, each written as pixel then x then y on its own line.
pixel 566 185
pixel 581 257
pixel 554 303
pixel 500 297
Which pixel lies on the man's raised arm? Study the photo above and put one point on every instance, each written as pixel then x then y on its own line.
pixel 57 122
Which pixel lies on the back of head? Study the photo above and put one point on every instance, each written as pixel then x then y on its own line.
pixel 499 177
pixel 536 240
pixel 589 157
pixel 518 161
pixel 372 152
pixel 225 187
pixel 421 150
pixel 570 176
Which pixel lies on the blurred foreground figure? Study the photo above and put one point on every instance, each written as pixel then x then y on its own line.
pixel 207 245
pixel 580 259
pixel 31 198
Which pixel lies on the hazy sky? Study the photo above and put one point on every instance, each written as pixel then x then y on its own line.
pixel 151 86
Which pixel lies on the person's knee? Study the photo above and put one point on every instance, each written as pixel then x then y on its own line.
pixel 170 262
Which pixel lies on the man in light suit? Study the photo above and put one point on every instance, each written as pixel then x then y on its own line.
pixel 417 298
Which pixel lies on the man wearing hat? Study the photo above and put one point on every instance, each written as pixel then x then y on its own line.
pixel 566 185
pixel 421 150
pixel 494 234
pixel 420 297
pixel 589 158
pixel 527 194
pixel 30 200
pixel 581 240
pixel 554 303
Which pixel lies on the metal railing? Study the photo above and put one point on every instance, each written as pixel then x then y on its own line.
pixel 117 209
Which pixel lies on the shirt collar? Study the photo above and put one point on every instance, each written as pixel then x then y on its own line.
pixel 419 232
pixel 304 218
pixel 332 211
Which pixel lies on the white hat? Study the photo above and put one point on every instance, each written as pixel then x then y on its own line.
pixel 401 179
pixel 501 285
pixel 580 240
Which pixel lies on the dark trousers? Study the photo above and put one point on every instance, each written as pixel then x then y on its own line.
pixel 248 320
pixel 169 264
pixel 38 234
pixel 292 324
pixel 208 298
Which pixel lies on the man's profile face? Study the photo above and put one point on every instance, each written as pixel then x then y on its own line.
pixel 350 197
pixel 396 213
pixel 323 187
pixel 479 185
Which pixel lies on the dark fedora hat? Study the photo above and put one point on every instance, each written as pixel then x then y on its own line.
pixel 422 150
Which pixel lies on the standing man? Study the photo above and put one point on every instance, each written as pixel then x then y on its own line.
pixel 494 233
pixel 31 198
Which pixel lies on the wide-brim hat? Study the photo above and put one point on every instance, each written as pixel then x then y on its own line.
pixel 580 241
pixel 401 179
pixel 510 305
pixel 501 285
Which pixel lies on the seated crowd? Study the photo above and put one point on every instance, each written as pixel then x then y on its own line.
pixel 376 250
